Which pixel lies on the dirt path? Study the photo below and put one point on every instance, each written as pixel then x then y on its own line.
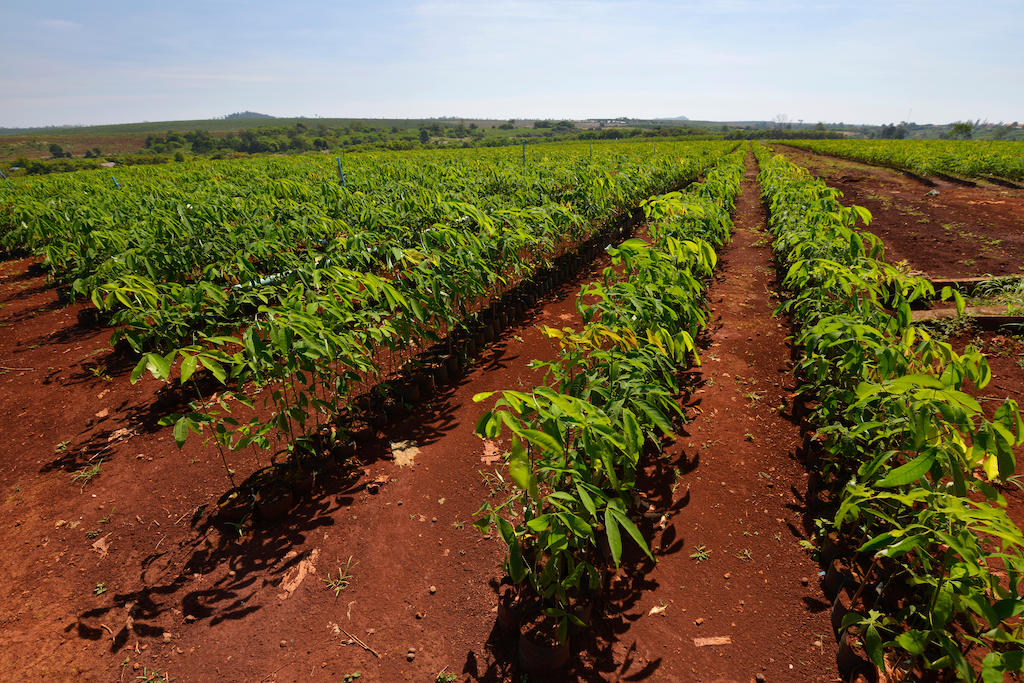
pixel 960 231
pixel 731 563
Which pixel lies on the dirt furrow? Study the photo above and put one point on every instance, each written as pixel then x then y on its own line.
pixel 731 568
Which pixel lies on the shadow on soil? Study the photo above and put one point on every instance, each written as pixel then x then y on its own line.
pixel 216 569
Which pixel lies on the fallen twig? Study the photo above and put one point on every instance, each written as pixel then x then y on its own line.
pixel 361 644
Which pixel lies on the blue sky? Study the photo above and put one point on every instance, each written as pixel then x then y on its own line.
pixel 864 62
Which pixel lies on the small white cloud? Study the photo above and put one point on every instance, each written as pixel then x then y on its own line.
pixel 60 24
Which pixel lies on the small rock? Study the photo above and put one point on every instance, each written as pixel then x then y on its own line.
pixel 817 643
pixel 804 581
pixel 179 650
pixel 136 666
pixel 433 589
pixel 699 621
pixel 190 618
pixel 410 656
pixel 283 643
pixel 727 575
pixel 420 615
pixel 323 665
pixel 399 503
pixel 433 519
pixel 167 637
pixel 759 678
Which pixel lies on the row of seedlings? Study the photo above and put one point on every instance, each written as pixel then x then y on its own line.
pixel 577 443
pixel 921 558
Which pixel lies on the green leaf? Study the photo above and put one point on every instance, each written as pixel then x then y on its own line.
pixel 943 607
pixel 214 367
pixel 656 416
pixel 873 645
pixel 181 430
pixel 158 366
pixel 188 366
pixel 138 370
pixel 910 472
pixel 586 499
pixel 614 540
pixel 543 440
pixel 631 529
pixel 913 641
pixel 519 465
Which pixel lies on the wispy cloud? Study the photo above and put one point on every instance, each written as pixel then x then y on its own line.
pixel 59 24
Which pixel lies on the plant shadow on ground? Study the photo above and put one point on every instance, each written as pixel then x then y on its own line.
pixel 246 562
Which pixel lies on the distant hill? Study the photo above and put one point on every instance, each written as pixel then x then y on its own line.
pixel 678 118
pixel 248 115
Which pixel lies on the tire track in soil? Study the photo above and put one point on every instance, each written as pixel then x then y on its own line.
pixel 741 502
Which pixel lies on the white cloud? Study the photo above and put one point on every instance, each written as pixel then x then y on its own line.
pixel 59 24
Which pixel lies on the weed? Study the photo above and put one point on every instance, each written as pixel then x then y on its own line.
pixel 352 676
pixel 106 520
pixel 100 371
pixel 444 676
pixel 344 578
pixel 154 677
pixel 458 524
pixel 944 328
pixel 753 397
pixel 745 555
pixel 87 474
pixel 61 447
pixel 700 554
pixel 100 588
pixel 92 534
pixel 494 482
pixel 748 436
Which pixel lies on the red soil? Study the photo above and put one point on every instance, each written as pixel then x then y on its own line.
pixel 961 231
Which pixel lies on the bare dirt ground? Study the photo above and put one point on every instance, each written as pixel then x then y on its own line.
pixel 961 231
pixel 119 576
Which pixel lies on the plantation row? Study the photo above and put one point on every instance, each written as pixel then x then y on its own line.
pixel 608 402
pixel 925 560
pixel 973 159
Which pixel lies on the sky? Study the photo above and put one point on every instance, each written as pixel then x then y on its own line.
pixel 75 62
